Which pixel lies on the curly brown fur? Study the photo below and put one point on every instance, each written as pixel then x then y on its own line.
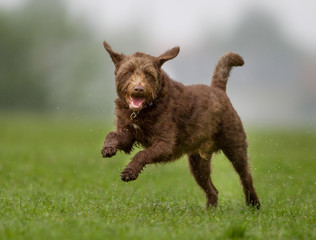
pixel 169 120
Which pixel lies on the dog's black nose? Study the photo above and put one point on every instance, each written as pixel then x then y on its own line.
pixel 138 89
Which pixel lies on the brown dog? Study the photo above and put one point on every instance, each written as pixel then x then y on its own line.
pixel 169 120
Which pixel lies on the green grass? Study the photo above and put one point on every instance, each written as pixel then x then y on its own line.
pixel 55 185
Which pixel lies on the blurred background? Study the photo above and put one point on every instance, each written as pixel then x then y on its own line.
pixel 52 59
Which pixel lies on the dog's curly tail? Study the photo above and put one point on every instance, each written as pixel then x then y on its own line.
pixel 223 67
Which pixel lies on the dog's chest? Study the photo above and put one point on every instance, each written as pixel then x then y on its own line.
pixel 142 134
pixel 135 126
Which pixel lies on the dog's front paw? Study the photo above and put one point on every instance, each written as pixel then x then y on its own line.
pixel 129 174
pixel 108 151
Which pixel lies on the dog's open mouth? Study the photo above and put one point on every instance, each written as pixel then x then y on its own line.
pixel 136 103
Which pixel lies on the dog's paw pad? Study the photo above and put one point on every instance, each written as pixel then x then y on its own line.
pixel 108 151
pixel 128 175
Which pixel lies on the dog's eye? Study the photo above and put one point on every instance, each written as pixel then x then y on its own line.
pixel 148 75
pixel 129 73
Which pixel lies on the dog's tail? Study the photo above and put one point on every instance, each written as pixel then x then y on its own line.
pixel 223 67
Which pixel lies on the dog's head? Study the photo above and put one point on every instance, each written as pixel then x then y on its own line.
pixel 138 76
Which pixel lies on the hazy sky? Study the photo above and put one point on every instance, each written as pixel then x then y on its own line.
pixel 182 21
pixel 165 23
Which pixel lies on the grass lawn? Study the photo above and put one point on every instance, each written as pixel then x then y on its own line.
pixel 55 185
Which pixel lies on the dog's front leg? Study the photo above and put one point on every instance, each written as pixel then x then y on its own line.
pixel 158 152
pixel 122 140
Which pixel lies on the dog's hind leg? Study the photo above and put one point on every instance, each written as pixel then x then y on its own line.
pixel 233 142
pixel 201 170
pixel 238 157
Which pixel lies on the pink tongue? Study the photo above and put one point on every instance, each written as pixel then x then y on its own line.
pixel 135 103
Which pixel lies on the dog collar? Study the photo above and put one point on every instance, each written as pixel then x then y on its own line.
pixel 135 113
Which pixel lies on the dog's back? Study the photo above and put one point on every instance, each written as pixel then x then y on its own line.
pixel 198 111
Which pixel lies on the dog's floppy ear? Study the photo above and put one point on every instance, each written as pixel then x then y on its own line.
pixel 116 57
pixel 170 54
